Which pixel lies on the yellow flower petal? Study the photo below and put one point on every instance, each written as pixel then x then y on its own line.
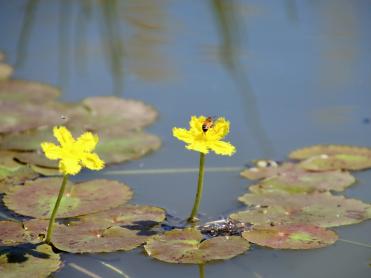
pixel 51 150
pixel 196 123
pixel 87 141
pixel 63 136
pixel 69 166
pixel 183 135
pixel 223 148
pixel 220 128
pixel 92 161
pixel 199 147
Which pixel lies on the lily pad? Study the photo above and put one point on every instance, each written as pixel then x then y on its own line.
pixel 37 198
pixel 11 233
pixel 46 171
pixel 7 160
pixel 88 237
pixel 28 261
pixel 297 180
pixel 113 147
pixel 255 173
pixel 11 177
pixel 317 150
pixel 126 215
pixel 326 162
pixel 26 92
pixel 291 236
pixel 115 113
pixel 5 71
pixel 324 210
pixel 16 117
pixel 186 246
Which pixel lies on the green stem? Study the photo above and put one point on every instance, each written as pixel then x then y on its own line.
pixel 56 206
pixel 192 218
pixel 201 269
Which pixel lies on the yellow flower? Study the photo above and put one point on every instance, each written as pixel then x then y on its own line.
pixel 73 154
pixel 203 141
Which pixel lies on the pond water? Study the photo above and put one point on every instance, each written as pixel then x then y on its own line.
pixel 286 73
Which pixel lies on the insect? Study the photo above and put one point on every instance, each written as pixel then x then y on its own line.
pixel 207 124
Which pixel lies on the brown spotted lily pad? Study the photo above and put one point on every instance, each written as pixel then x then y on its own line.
pixel 11 233
pixel 297 180
pixel 186 246
pixel 37 198
pixel 326 162
pixel 23 91
pixel 29 261
pixel 265 170
pixel 316 150
pixel 11 177
pixel 127 215
pixel 319 209
pixel 291 236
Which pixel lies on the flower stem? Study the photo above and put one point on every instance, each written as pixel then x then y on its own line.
pixel 201 269
pixel 192 218
pixel 56 206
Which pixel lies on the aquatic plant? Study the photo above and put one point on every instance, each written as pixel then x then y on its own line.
pixel 204 135
pixel 73 155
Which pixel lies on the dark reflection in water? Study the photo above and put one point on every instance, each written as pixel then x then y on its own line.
pixel 231 26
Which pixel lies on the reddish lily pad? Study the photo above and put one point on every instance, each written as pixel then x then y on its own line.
pixel 28 261
pixel 186 246
pixel 291 236
pixel 16 117
pixel 11 233
pixel 326 162
pixel 115 113
pixel 255 173
pixel 37 198
pixel 5 71
pixel 126 215
pixel 317 150
pixel 298 180
pixel 27 91
pixel 323 210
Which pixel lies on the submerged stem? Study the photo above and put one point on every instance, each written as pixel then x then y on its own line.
pixel 192 218
pixel 56 206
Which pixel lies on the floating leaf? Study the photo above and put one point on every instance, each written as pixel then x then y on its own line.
pixel 255 173
pixel 24 91
pixel 297 180
pixel 88 237
pixel 317 150
pixel 339 161
pixel 11 177
pixel 5 71
pixel 115 113
pixel 27 261
pixel 46 171
pixel 126 215
pixel 15 117
pixel 11 233
pixel 7 160
pixel 291 236
pixel 37 198
pixel 319 209
pixel 113 147
pixel 186 246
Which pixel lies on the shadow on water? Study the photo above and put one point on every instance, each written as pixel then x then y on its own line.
pixel 229 23
pixel 18 254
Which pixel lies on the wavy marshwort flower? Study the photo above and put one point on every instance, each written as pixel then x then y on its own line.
pixel 73 155
pixel 204 135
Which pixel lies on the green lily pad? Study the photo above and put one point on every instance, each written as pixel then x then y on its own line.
pixel 11 177
pixel 37 198
pixel 16 117
pixel 113 147
pixel 5 71
pixel 186 246
pixel 291 236
pixel 49 172
pixel 23 91
pixel 11 233
pixel 126 215
pixel 255 173
pixel 297 180
pixel 88 237
pixel 324 210
pixel 112 113
pixel 7 160
pixel 317 150
pixel 28 261
pixel 326 162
